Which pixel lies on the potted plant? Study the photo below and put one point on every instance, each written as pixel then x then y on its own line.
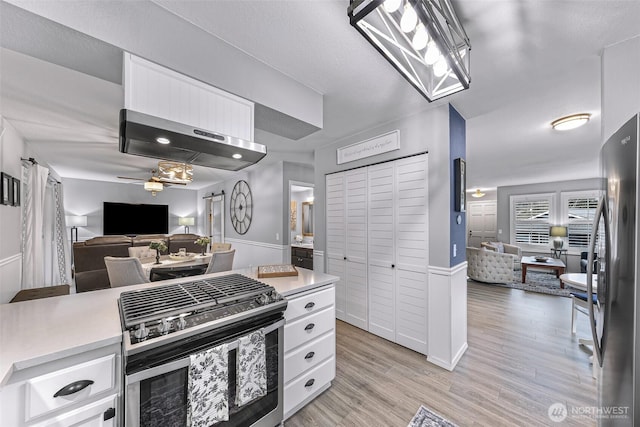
pixel 159 246
pixel 203 241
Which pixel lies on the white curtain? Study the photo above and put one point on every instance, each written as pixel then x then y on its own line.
pixel 44 246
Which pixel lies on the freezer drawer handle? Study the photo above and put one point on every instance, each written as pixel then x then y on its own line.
pixel 73 388
pixel 310 305
pixel 310 382
pixel 310 355
pixel 109 413
pixel 309 327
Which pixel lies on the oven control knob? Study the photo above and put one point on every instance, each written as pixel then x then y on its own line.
pixel 142 332
pixel 164 326
pixel 262 299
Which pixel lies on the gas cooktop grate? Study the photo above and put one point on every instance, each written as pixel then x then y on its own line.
pixel 151 304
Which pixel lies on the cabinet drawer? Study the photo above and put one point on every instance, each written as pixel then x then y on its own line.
pixel 303 252
pixel 40 390
pixel 308 328
pixel 307 385
pixel 309 303
pixel 308 356
pixel 91 415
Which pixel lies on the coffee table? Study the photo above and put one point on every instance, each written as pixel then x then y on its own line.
pixel 551 264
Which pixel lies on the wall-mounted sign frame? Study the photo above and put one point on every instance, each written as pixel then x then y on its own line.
pixel 370 147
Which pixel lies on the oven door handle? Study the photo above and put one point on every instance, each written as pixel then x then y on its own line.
pixel 185 361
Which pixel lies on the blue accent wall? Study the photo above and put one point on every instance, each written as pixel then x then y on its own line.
pixel 457 148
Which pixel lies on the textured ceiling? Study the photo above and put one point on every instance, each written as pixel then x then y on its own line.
pixel 531 61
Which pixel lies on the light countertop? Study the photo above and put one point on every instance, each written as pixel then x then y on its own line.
pixel 43 330
pixel 303 245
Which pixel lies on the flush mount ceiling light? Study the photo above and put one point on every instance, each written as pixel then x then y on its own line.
pixel 478 194
pixel 153 186
pixel 570 122
pixel 422 39
pixel 175 171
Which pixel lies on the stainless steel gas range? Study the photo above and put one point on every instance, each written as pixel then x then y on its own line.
pixel 164 325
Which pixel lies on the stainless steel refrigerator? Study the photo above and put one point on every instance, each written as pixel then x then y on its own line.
pixel 615 319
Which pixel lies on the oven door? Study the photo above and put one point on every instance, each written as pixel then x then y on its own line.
pixel 156 394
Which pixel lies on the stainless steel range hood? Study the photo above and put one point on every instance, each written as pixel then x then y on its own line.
pixel 139 134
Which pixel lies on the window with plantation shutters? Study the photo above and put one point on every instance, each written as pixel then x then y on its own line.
pixel 578 213
pixel 530 219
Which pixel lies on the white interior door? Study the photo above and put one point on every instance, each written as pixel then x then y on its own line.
pixel 381 250
pixel 482 223
pixel 412 257
pixel 356 247
pixel 335 254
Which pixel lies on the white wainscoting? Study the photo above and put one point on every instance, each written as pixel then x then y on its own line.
pixel 318 261
pixel 250 253
pixel 10 277
pixel 447 312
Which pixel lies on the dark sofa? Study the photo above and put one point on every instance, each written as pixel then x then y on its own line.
pixel 88 256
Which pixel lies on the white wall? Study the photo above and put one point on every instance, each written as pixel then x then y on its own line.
pixel 85 197
pixel 11 150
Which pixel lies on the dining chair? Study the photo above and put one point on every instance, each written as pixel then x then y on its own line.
pixel 142 252
pixel 124 271
pixel 221 261
pixel 220 247
pixel 580 303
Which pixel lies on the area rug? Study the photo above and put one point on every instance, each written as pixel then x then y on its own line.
pixel 537 281
pixel 425 418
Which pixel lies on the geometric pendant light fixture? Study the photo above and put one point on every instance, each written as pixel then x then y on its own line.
pixel 422 39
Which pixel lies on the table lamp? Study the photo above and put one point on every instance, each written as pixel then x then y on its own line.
pixel 186 221
pixel 558 231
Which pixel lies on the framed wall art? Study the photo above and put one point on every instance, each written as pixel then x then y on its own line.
pixel 460 184
pixel 15 192
pixel 6 185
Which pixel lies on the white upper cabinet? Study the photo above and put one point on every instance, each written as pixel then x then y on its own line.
pixel 152 89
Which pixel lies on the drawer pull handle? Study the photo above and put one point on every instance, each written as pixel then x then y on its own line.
pixel 310 382
pixel 309 327
pixel 310 305
pixel 73 388
pixel 310 355
pixel 300 259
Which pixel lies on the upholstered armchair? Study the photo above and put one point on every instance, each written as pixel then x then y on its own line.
pixel 506 248
pixel 488 266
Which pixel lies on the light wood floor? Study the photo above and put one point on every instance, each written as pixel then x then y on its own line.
pixel 521 359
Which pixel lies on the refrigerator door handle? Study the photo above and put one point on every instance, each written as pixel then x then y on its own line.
pixel 603 211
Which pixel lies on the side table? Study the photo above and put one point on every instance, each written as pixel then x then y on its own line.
pixel 558 253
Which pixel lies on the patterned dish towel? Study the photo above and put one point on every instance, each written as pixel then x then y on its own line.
pixel 208 387
pixel 252 368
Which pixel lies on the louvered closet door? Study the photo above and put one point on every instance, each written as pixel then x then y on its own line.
pixel 356 244
pixel 411 215
pixel 381 250
pixel 336 237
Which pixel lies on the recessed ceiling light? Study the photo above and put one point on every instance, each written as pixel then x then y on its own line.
pixel 163 140
pixel 237 156
pixel 570 122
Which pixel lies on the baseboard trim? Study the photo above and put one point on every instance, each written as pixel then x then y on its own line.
pixel 449 366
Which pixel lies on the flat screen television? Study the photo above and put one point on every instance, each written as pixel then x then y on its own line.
pixel 134 219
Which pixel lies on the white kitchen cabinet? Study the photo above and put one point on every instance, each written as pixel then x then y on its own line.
pixel 77 390
pixel 309 343
pixel 382 226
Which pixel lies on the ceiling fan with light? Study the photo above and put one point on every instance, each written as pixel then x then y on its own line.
pixel 168 173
